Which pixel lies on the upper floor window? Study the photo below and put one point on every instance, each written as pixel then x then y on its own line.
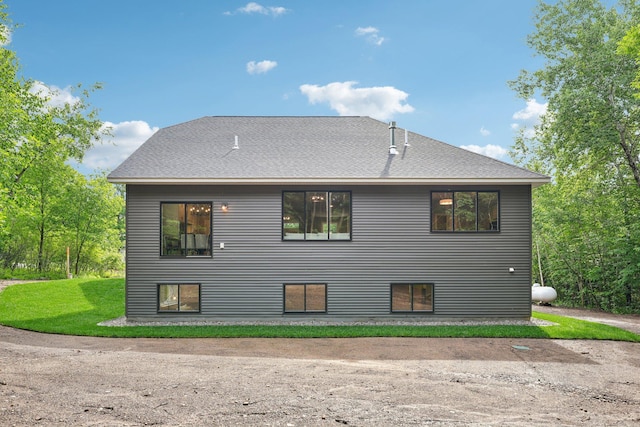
pixel 465 211
pixel 316 215
pixel 185 229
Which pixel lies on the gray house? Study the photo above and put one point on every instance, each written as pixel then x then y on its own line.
pixel 322 217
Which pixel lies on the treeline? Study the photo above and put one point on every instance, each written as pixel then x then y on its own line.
pixel 586 223
pixel 46 206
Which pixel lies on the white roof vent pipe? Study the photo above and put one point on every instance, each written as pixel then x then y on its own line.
pixel 235 144
pixel 406 139
pixel 392 136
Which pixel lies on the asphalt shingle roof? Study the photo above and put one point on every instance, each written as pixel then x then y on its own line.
pixel 285 149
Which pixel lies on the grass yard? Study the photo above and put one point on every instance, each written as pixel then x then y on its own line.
pixel 76 306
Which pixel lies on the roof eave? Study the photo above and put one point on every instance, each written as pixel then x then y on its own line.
pixel 534 182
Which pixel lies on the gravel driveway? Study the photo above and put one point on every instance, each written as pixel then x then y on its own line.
pixel 61 380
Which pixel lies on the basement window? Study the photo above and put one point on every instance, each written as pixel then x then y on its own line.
pixel 412 297
pixel 305 298
pixel 179 298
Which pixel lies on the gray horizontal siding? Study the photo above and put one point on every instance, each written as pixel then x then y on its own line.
pixel 391 243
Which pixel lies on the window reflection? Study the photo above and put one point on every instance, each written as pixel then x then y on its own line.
pixel 340 216
pixel 412 297
pixel 293 215
pixel 316 215
pixel 464 213
pixel 316 218
pixel 401 298
pixel 487 211
pixel 442 211
pixel 305 298
pixel 179 298
pixel 461 211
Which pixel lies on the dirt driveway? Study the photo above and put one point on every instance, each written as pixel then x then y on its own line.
pixel 60 380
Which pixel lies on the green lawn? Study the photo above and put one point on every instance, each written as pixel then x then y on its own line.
pixel 76 306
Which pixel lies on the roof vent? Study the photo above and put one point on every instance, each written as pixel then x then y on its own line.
pixel 392 136
pixel 235 144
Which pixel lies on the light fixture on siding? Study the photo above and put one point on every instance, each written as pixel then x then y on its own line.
pixel 224 207
pixel 446 202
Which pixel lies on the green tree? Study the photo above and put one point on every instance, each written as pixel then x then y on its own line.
pixel 92 213
pixel 585 229
pixel 45 205
pixel 593 116
pixel 43 187
pixel 32 126
pixel 630 46
pixel 589 141
pixel 60 208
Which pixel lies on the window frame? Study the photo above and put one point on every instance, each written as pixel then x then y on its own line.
pixel 186 207
pixel 179 311
pixel 304 310
pixel 412 310
pixel 477 210
pixel 328 238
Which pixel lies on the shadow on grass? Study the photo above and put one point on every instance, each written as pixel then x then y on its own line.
pixel 71 307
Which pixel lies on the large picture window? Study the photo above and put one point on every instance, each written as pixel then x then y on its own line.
pixel 412 297
pixel 305 298
pixel 316 215
pixel 185 229
pixel 461 211
pixel 179 298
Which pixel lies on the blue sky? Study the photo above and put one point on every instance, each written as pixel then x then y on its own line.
pixel 438 68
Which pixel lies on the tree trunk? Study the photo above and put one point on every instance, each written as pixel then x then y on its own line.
pixel 625 144
pixel 630 157
pixel 76 267
pixel 41 248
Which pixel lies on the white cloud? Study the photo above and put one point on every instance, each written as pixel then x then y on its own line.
pixel 125 138
pixel 378 102
pixel 254 7
pixel 5 35
pixel 490 150
pixel 484 132
pixel 56 96
pixel 278 10
pixel 260 67
pixel 530 132
pixel 371 34
pixel 532 112
pixel 529 117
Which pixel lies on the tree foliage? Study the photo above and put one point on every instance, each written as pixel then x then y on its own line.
pixel 45 205
pixel 630 46
pixel 585 221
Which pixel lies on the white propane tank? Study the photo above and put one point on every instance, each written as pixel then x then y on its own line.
pixel 544 294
